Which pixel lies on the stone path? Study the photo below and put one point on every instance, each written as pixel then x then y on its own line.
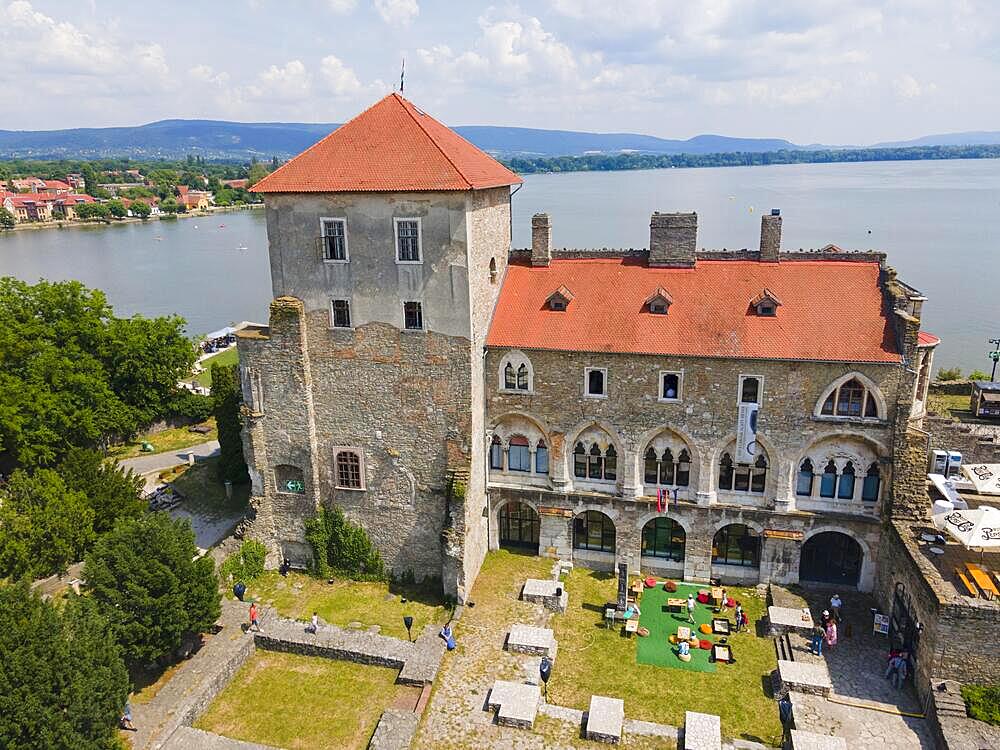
pixel 422 665
pixel 860 727
pixel 159 461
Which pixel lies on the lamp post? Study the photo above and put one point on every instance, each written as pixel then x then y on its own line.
pixel 545 671
pixel 408 622
pixel 995 356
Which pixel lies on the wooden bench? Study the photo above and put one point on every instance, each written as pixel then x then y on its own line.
pixel 964 579
pixel 982 580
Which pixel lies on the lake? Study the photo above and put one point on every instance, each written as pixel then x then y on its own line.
pixel 939 221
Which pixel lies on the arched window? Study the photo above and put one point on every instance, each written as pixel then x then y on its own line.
pixel 496 454
pixel 595 466
pixel 595 531
pixel 493 270
pixel 851 399
pixel 580 461
pixel 664 537
pixel 804 484
pixel 515 373
pixel 509 378
pixel 736 544
pixel 828 482
pixel 611 463
pixel 845 489
pixel 518 454
pixel 872 483
pixel 522 377
pixel 683 468
pixel 742 477
pixel 666 471
pixel 650 472
pixel 541 458
pixel 348 470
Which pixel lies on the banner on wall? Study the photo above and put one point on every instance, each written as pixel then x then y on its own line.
pixel 746 434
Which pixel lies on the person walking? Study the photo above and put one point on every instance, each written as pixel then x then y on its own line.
pixel 254 617
pixel 126 720
pixel 690 608
pixel 831 634
pixel 899 668
pixel 816 644
pixel 313 626
pixel 739 616
pixel 835 605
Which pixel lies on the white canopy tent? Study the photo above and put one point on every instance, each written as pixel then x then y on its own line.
pixel 972 528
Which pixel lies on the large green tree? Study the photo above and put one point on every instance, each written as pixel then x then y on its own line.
pixel 111 492
pixel 44 526
pixel 75 375
pixel 226 401
pixel 63 683
pixel 146 580
pixel 7 219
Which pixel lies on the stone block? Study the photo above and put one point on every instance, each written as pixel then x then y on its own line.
pixel 805 677
pixel 394 730
pixel 526 639
pixel 605 719
pixel 811 741
pixel 702 731
pixel 550 594
pixel 787 620
pixel 515 702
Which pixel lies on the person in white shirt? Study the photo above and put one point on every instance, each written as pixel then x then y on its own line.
pixel 835 605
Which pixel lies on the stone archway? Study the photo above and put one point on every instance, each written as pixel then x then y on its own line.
pixel 831 557
pixel 518 526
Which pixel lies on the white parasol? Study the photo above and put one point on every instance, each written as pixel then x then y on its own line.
pixel 985 477
pixel 973 528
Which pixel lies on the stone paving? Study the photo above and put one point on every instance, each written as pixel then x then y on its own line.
pixel 189 738
pixel 810 741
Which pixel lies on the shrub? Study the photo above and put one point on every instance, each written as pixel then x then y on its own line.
pixel 983 702
pixel 247 564
pixel 342 547
pixel 978 375
pixel 949 373
pixel 670 586
pixel 226 400
pixel 189 405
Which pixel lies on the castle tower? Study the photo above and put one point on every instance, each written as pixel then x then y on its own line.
pixel 388 241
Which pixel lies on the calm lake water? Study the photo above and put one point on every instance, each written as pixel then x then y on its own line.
pixel 938 221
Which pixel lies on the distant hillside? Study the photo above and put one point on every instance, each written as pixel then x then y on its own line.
pixel 217 139
pixel 975 137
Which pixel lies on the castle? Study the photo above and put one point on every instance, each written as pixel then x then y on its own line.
pixel 752 416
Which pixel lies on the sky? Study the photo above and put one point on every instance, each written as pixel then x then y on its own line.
pixel 812 71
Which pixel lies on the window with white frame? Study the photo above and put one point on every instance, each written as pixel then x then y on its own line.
pixel 516 374
pixel 349 471
pixel 334 239
pixel 851 398
pixel 670 386
pixel 595 382
pixel 408 249
pixel 750 389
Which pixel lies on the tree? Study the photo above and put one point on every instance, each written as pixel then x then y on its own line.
pixel 342 547
pixel 169 206
pixel 7 219
pixel 111 492
pixel 226 401
pixel 99 211
pixel 144 577
pixel 116 208
pixel 89 179
pixel 953 373
pixel 140 209
pixel 62 679
pixel 257 173
pixel 46 526
pixel 74 375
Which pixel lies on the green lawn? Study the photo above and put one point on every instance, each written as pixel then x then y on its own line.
pixel 949 405
pixel 292 701
pixel 228 357
pixel 342 602
pixel 594 660
pixel 172 439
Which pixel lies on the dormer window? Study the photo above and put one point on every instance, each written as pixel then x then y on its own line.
pixel 659 302
pixel 559 299
pixel 765 304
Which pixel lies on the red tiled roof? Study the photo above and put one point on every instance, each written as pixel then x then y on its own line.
pixel 831 310
pixel 390 147
pixel 927 339
pixel 56 185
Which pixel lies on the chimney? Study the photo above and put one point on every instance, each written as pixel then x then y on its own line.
pixel 770 236
pixel 541 240
pixel 673 239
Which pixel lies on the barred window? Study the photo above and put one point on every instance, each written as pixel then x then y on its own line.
pixel 413 316
pixel 341 313
pixel 334 239
pixel 408 240
pixel 349 470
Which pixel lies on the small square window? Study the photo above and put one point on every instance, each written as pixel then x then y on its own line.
pixel 670 386
pixel 341 313
pixel 413 317
pixel 658 308
pixel 408 240
pixel 596 382
pixel 766 310
pixel 557 304
pixel 334 239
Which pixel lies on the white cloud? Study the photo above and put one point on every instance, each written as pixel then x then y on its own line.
pixel 908 87
pixel 397 12
pixel 289 83
pixel 339 78
pixel 207 74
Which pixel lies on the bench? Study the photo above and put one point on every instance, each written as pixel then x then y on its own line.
pixel 969 588
pixel 982 580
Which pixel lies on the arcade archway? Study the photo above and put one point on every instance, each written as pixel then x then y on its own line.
pixel 831 557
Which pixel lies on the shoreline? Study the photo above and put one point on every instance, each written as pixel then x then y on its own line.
pixel 77 224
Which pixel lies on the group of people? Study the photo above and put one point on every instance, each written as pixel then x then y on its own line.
pixel 825 633
pixel 740 617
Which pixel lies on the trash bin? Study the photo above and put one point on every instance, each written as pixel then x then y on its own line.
pixel 239 590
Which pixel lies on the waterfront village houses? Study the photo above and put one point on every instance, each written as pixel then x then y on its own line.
pixel 453 395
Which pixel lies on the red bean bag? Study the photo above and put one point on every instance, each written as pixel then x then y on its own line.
pixel 730 602
pixel 705 645
pixel 670 586
pixel 650 582
pixel 703 598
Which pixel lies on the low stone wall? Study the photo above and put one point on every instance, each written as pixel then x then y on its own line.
pixel 332 642
pixel 953 728
pixel 978 443
pixel 951 387
pixel 189 738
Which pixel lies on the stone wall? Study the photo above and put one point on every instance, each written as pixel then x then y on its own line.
pixel 953 727
pixel 978 443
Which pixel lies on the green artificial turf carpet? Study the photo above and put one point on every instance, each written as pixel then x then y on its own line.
pixel 655 649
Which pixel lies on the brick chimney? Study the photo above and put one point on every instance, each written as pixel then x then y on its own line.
pixel 770 236
pixel 541 240
pixel 673 239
